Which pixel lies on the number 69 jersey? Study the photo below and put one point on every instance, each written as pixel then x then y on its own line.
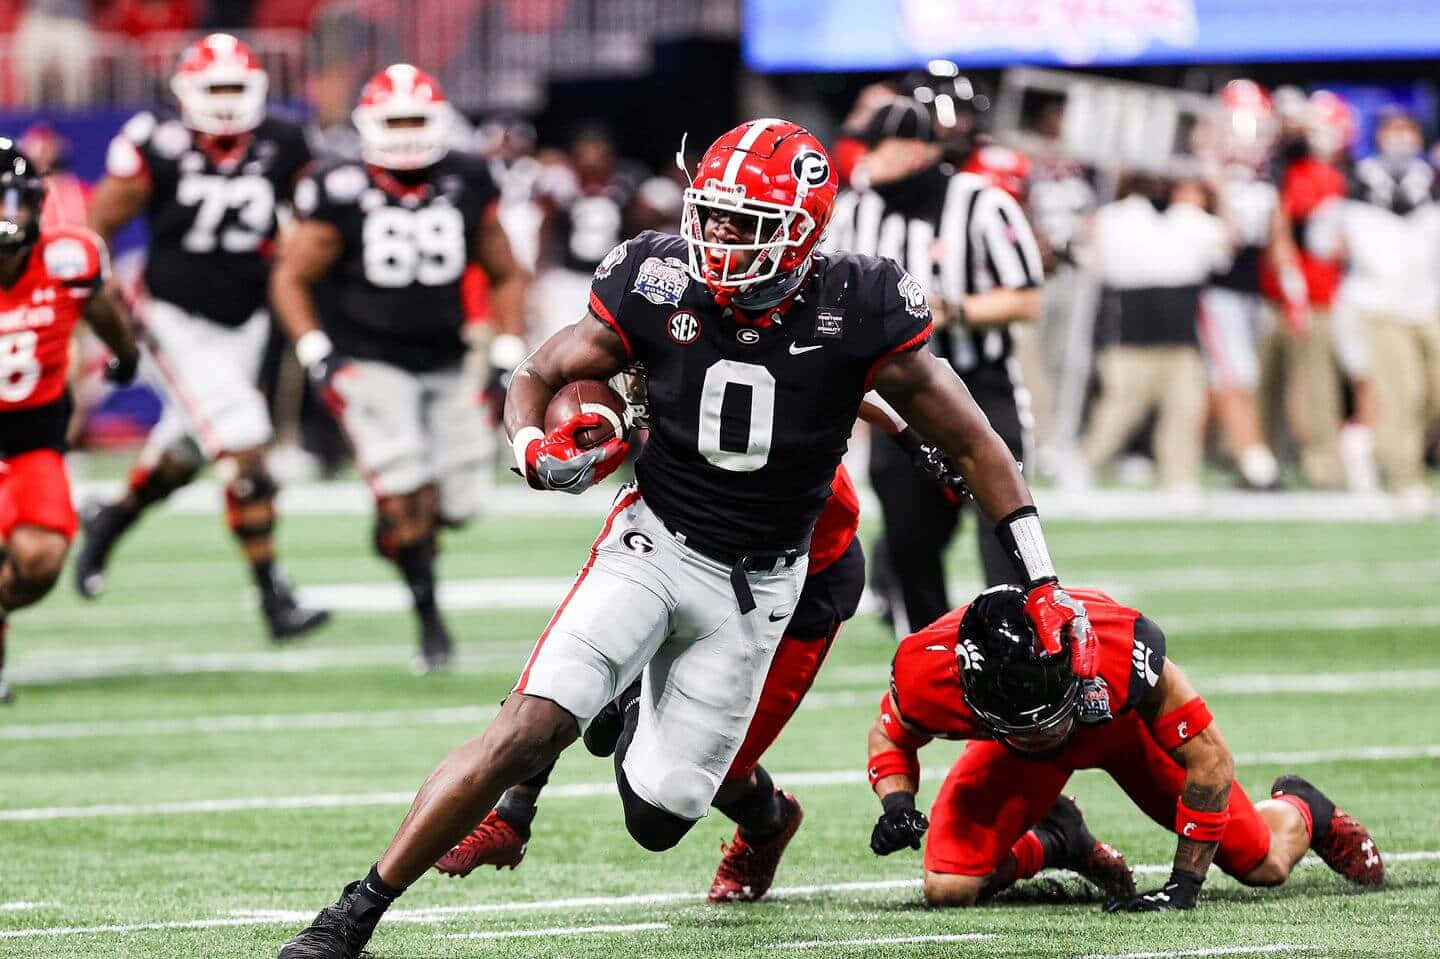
pixel 394 293
pixel 749 417
pixel 212 219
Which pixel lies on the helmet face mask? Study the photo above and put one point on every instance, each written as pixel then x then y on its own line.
pixel 221 87
pixel 403 119
pixel 756 206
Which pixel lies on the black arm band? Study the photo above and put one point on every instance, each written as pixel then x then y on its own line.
pixel 910 441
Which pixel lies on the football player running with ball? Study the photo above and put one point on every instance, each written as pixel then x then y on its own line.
pixel 757 353
pixel 1037 712
pixel 48 282
pixel 210 184
pixel 368 285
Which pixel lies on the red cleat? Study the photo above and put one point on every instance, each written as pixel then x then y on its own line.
pixel 1349 850
pixel 1105 867
pixel 493 843
pixel 746 871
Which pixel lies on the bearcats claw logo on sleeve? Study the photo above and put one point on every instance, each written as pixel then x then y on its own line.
pixel 913 294
pixel 612 259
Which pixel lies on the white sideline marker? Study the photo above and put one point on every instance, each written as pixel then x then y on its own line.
pixel 1214 951
pixel 885 941
pixel 557 932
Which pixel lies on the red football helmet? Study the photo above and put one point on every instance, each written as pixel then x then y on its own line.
pixel 221 86
pixel 403 119
pixel 1003 167
pixel 1248 124
pixel 1330 126
pixel 774 172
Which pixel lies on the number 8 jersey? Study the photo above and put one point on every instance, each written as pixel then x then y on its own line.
pixel 394 293
pixel 749 416
pixel 212 218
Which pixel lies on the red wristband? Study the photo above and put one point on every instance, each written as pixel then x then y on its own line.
pixel 1180 725
pixel 1198 825
pixel 895 727
pixel 894 762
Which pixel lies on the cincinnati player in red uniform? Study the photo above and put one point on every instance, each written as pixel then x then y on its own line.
pixel 982 673
pixel 757 351
pixel 48 281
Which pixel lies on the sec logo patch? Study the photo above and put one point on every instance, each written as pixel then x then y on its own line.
pixel 684 327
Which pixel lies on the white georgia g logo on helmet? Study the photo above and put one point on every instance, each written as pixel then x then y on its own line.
pixel 811 169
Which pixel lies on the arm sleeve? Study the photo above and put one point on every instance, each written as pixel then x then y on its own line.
pixel 610 284
pixel 1147 660
pixel 905 321
pixel 1001 227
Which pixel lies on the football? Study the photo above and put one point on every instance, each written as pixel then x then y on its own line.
pixel 588 396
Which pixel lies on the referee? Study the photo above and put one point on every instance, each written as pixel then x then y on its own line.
pixel 970 246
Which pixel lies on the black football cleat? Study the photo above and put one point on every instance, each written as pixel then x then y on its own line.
pixel 1337 837
pixel 603 733
pixel 1099 863
pixel 101 525
pixel 436 647
pixel 339 931
pixel 284 615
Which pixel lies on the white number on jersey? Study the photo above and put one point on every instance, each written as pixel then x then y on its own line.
pixel 251 197
pixel 19 366
pixel 425 246
pixel 761 420
pixel 594 227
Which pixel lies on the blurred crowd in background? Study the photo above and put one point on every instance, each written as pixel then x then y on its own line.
pixel 1242 284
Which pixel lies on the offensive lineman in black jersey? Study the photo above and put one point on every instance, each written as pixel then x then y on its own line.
pixel 368 287
pixel 209 185
pixel 757 353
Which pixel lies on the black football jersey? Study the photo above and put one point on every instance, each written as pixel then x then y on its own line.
pixel 212 229
pixel 394 294
pixel 748 420
pixel 588 225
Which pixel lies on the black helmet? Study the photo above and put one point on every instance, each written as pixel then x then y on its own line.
pixel 1015 688
pixel 21 188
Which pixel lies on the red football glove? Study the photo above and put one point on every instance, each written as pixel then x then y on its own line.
pixel 557 462
pixel 1055 614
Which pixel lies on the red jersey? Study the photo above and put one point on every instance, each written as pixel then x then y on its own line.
pixel 925 674
pixel 1306 184
pixel 838 522
pixel 38 315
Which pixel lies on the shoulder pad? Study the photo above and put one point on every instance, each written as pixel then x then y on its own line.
pixel 74 256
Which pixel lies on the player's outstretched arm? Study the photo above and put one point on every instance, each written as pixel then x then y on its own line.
pixel 105 313
pixel 588 350
pixel 1182 725
pixel 894 772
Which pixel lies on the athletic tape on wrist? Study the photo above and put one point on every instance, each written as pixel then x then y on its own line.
pixel 312 347
pixel 1200 825
pixel 1182 724
pixel 521 443
pixel 893 762
pixel 1021 532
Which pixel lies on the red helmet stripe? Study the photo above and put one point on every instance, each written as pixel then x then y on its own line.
pixel 737 156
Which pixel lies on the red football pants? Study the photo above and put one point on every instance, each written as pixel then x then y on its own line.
pixel 992 796
pixel 35 491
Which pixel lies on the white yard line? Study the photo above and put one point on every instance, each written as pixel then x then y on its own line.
pixel 838 777
pixel 22 906
pixel 885 941
pixel 437 914
pixel 557 932
pixel 1214 951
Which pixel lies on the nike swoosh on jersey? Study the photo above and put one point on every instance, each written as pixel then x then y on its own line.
pixel 796 349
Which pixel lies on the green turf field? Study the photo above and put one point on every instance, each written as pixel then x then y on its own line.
pixel 173 788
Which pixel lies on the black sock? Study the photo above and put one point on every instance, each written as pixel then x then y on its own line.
pixel 517 809
pixel 629 702
pixel 417 565
pixel 1052 842
pixel 375 894
pixel 1322 810
pixel 539 781
pixel 761 813
pixel 267 579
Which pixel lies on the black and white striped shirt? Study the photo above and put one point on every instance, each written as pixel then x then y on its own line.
pixel 958 236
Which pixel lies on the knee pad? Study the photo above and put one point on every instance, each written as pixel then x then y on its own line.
pixel 653 828
pixel 244 491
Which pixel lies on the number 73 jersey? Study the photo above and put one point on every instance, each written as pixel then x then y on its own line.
pixel 212 219
pixel 749 416
pixel 393 294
